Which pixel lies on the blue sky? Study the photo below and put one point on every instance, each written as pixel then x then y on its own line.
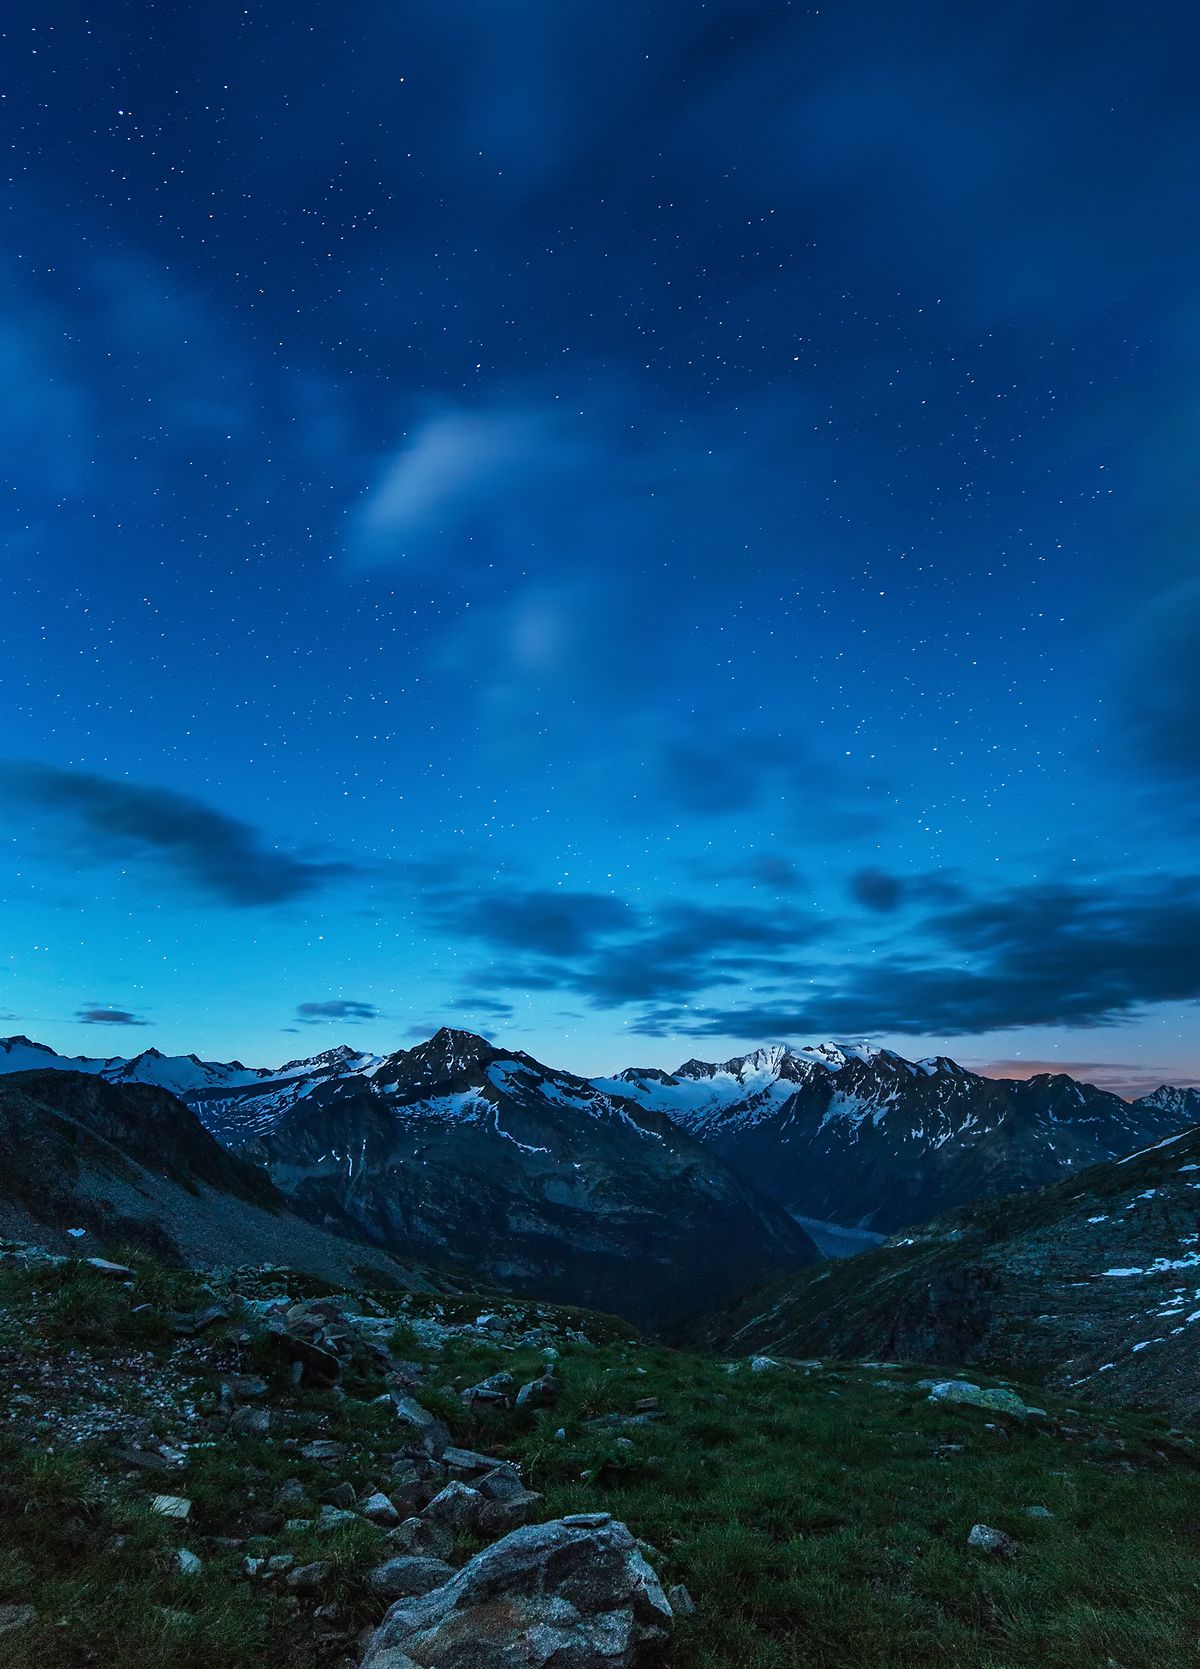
pixel 637 530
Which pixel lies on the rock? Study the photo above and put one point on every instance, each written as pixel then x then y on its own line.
pixel 457 1508
pixel 380 1510
pixel 343 1495
pixel 466 1464
pixel 329 1517
pixel 171 1506
pixel 1038 1512
pixel 681 1602
pixel 250 1422
pixel 419 1535
pixel 114 1271
pixel 429 1431
pixel 13 1617
pixel 324 1451
pixel 408 1574
pixel 292 1497
pixel 586 1521
pixel 539 1393
pixel 962 1391
pixel 994 1542
pixel 188 1563
pixel 499 1518
pixel 492 1392
pixel 502 1483
pixel 308 1577
pixel 186 1326
pixel 553 1594
pixel 760 1364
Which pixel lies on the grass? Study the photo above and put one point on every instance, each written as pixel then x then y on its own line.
pixel 818 1518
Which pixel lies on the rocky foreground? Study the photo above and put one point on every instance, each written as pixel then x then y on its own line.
pixel 252 1471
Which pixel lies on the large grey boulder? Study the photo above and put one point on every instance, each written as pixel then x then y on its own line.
pixel 570 1596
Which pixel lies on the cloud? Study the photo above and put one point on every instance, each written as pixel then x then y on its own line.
pixel 218 856
pixel 876 890
pixel 101 1014
pixel 614 953
pixel 882 893
pixel 1054 953
pixel 474 1003
pixel 544 922
pixel 311 1014
pixel 498 477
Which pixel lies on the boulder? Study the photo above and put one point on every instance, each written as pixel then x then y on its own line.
pixel 457 1508
pixel 308 1577
pixel 408 1575
pixel 539 1393
pixel 963 1391
pixel 554 1594
pixel 250 1422
pixel 380 1510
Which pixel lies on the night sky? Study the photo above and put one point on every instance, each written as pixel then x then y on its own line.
pixel 638 529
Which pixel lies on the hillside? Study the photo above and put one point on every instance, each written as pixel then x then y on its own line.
pixel 174 1500
pixel 1091 1287
pixel 86 1162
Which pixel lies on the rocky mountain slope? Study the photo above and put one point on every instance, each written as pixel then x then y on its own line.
pixel 1091 1286
pixel 484 1160
pixel 86 1162
pixel 859 1136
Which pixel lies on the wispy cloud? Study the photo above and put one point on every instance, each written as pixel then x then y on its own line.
pixel 339 1008
pixel 102 1014
pixel 215 854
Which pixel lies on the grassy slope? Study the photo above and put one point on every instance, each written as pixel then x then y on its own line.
pixel 1018 1285
pixel 809 1511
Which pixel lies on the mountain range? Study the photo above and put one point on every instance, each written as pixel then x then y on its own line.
pixel 859 1136
pixel 484 1162
pixel 649 1193
pixel 1060 1222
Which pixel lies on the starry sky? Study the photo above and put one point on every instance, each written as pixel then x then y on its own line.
pixel 636 529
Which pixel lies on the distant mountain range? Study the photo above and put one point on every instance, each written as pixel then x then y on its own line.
pixel 650 1193
pixel 857 1135
pixel 484 1161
